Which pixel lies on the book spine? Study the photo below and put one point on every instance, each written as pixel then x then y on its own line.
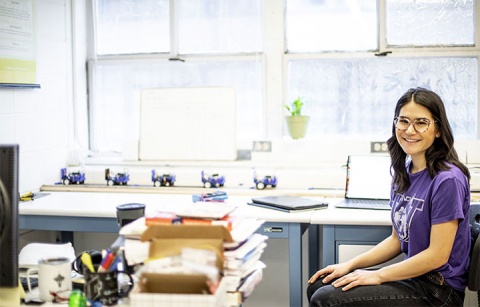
pixel 226 224
pixel 162 221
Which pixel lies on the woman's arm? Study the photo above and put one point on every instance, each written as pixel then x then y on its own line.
pixel 437 254
pixel 384 251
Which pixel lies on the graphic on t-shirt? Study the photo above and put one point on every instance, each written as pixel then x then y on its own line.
pixel 404 210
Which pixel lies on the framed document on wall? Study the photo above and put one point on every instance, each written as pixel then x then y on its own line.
pixel 17 44
pixel 188 124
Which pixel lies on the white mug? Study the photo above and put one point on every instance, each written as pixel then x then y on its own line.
pixel 54 275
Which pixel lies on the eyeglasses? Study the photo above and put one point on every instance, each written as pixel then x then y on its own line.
pixel 420 124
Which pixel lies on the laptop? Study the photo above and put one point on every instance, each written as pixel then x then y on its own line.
pixel 289 203
pixel 368 183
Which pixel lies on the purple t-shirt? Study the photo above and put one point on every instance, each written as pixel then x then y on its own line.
pixel 433 201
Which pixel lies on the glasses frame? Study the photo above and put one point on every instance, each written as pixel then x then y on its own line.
pixel 412 122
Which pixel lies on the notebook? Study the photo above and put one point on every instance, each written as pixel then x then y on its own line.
pixel 289 203
pixel 368 183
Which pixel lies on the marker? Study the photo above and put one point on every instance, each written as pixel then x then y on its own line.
pixel 115 263
pixel 106 264
pixel 87 260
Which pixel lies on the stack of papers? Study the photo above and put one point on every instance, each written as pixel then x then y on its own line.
pixel 243 267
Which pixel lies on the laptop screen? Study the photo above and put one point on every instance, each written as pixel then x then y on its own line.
pixel 368 177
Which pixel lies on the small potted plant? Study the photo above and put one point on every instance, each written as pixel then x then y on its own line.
pixel 297 123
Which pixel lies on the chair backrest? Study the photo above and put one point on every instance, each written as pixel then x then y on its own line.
pixel 474 270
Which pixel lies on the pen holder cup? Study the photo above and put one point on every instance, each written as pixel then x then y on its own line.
pixel 107 287
pixel 127 213
pixel 78 266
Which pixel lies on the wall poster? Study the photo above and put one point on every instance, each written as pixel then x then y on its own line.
pixel 17 42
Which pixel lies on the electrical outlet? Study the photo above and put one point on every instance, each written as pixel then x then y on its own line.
pixel 262 146
pixel 376 147
pixel 243 154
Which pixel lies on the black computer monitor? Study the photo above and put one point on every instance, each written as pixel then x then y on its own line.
pixel 9 216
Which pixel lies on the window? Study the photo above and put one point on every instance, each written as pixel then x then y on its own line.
pixel 135 26
pixel 430 23
pixel 356 98
pixel 214 42
pixel 352 93
pixel 116 114
pixel 331 25
pixel 214 27
pixel 349 59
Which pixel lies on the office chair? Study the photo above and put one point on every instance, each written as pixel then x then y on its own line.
pixel 474 269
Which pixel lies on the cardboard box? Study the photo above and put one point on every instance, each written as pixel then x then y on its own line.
pixel 176 289
pixel 186 232
pixel 146 299
pixel 168 240
pixel 160 248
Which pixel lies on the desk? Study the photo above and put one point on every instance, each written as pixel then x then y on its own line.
pixel 349 226
pixel 96 212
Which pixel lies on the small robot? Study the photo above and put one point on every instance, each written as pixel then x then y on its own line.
pixel 164 180
pixel 72 178
pixel 213 180
pixel 118 179
pixel 266 181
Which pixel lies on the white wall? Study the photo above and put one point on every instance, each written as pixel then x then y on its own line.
pixel 39 119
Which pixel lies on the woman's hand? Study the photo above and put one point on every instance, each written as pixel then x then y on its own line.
pixel 330 272
pixel 357 278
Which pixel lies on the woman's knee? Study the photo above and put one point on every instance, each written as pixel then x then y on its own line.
pixel 323 296
pixel 312 288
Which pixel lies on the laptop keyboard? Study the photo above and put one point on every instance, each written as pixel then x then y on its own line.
pixel 364 204
pixel 367 201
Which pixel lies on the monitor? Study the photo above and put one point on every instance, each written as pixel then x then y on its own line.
pixel 9 216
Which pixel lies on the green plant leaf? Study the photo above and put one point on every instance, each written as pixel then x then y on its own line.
pixel 295 107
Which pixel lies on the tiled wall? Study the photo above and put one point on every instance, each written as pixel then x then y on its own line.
pixel 38 119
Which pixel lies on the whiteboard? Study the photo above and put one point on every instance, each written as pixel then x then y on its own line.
pixel 188 124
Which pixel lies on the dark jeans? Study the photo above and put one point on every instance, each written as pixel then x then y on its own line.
pixel 418 291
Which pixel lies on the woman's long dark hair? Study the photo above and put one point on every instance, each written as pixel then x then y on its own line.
pixel 438 154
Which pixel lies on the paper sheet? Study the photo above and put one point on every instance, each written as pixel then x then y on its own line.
pixel 30 254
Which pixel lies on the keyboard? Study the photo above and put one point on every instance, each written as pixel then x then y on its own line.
pixel 379 204
pixel 33 282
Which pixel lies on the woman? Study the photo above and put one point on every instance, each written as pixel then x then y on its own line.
pixel 430 202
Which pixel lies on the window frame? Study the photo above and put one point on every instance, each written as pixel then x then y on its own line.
pixel 162 56
pixel 274 60
pixel 469 146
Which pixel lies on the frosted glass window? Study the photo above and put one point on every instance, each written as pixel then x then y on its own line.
pixel 330 25
pixel 356 98
pixel 115 106
pixel 221 26
pixel 430 22
pixel 133 26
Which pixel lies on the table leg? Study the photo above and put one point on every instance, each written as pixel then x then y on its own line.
pixel 67 236
pixel 295 264
pixel 313 250
pixel 328 245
